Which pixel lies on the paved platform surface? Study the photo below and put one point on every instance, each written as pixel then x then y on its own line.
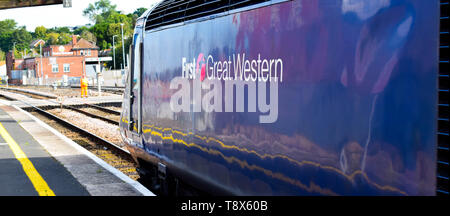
pixel 35 159
pixel 14 180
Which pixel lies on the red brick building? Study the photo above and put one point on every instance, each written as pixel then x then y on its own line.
pixel 69 59
pixel 59 63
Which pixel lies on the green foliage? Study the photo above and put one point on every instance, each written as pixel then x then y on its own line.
pixel 88 36
pixel 60 30
pixel 107 23
pixel 80 30
pixel 22 38
pixel 104 44
pixel 99 11
pixel 40 32
pixel 10 34
pixel 119 55
pixel 6 41
pixel 7 25
pixel 100 31
pixel 52 38
pixel 64 38
pixel 2 55
pixel 138 12
pixel 18 54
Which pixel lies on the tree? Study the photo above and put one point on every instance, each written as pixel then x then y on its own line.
pixel 99 11
pixel 2 55
pixel 59 30
pixel 138 12
pixel 7 25
pixel 88 36
pixel 105 45
pixel 64 38
pixel 40 32
pixel 108 23
pixel 52 38
pixel 119 50
pixel 135 15
pixel 63 30
pixel 22 38
pixel 100 31
pixel 80 30
pixel 6 41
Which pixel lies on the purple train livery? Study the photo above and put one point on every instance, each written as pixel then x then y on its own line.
pixel 302 97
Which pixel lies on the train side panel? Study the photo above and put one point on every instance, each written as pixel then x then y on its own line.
pixel 297 98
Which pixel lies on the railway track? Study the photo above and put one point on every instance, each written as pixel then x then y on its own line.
pixel 29 94
pixel 91 114
pixel 111 153
pixel 78 108
pixel 108 151
pixel 76 128
pixel 103 109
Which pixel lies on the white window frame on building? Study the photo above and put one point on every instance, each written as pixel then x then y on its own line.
pixel 89 53
pixel 67 66
pixel 55 66
pixel 81 52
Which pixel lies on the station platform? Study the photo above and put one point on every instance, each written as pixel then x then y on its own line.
pixel 36 160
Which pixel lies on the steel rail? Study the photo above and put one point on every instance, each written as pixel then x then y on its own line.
pixel 25 91
pixel 74 108
pixel 76 128
pixel 91 115
pixel 103 109
pixel 80 130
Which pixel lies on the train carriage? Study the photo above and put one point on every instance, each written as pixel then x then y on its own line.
pixel 302 97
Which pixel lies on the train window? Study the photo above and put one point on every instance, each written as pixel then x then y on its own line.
pixel 136 60
pixel 175 11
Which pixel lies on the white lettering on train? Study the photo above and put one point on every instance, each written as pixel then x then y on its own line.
pixel 204 79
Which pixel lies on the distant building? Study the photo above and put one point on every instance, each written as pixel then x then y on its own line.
pixel 13 68
pixel 59 63
pixel 69 59
pixel 36 43
pixel 104 53
pixel 9 62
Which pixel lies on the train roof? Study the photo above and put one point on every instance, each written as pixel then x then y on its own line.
pixel 169 12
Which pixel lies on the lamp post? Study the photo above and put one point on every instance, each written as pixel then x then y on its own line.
pixel 123 47
pixel 114 52
pixel 42 69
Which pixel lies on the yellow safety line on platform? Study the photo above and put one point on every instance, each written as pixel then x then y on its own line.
pixel 38 182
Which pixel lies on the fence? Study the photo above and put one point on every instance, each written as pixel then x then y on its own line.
pixel 28 77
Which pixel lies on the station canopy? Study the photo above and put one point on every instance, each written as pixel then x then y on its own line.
pixel 6 4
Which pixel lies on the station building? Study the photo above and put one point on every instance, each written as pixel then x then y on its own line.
pixel 63 64
pixel 65 61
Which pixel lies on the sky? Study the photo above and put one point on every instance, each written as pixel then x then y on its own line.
pixel 58 16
